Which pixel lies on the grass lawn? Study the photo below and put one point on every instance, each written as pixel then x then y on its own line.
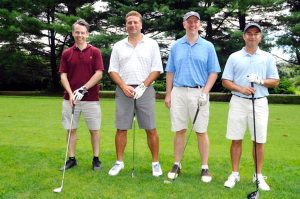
pixel 32 149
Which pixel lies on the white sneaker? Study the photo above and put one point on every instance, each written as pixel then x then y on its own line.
pixel 232 180
pixel 156 170
pixel 115 170
pixel 262 185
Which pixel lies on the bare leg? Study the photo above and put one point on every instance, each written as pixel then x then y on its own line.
pixel 179 144
pixel 72 144
pixel 95 140
pixel 260 156
pixel 203 146
pixel 153 143
pixel 120 141
pixel 236 152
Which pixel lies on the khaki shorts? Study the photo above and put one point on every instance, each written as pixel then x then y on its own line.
pixel 144 110
pixel 91 112
pixel 240 116
pixel 184 102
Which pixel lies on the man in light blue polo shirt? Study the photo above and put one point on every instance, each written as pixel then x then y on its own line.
pixel 192 70
pixel 249 65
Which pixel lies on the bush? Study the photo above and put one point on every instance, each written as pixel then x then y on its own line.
pixel 284 87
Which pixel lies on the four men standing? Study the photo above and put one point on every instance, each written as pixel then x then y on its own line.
pixel 192 70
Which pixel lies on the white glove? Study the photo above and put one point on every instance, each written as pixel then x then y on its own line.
pixel 139 91
pixel 79 93
pixel 203 98
pixel 255 79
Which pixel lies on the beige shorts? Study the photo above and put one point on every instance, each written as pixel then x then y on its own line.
pixel 184 102
pixel 90 110
pixel 240 116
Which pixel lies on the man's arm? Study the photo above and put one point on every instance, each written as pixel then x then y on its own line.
pixel 128 90
pixel 94 79
pixel 65 82
pixel 210 82
pixel 169 86
pixel 234 87
pixel 151 78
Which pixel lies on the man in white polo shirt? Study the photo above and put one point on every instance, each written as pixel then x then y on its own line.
pixel 134 64
pixel 249 65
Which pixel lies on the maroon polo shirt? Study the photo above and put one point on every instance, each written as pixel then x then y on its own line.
pixel 80 66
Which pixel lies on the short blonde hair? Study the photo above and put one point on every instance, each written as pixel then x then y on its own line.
pixel 134 13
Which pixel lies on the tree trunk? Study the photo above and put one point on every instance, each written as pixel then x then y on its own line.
pixel 53 62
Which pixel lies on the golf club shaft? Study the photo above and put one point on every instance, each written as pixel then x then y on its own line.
pixel 188 138
pixel 254 132
pixel 68 143
pixel 133 138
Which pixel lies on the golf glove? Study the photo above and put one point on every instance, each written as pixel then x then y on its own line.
pixel 202 99
pixel 139 91
pixel 255 79
pixel 79 93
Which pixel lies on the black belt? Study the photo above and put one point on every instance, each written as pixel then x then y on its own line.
pixel 248 97
pixel 192 86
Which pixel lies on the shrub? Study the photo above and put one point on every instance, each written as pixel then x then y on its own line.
pixel 284 87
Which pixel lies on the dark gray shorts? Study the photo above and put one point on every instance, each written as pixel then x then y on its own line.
pixel 144 109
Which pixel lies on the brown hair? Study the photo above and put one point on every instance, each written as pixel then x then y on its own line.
pixel 81 22
pixel 133 13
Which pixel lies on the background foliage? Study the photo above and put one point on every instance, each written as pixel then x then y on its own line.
pixel 33 34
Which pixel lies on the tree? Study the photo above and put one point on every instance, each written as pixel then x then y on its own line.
pixel 291 37
pixel 41 28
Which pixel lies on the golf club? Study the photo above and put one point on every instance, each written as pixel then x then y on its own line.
pixel 170 181
pixel 254 194
pixel 133 139
pixel 59 189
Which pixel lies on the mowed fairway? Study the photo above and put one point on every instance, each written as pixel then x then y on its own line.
pixel 33 143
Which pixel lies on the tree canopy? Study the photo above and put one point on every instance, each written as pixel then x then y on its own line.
pixel 33 34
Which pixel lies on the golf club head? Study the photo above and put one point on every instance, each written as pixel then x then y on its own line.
pixel 168 181
pixel 57 190
pixel 253 195
pixel 132 174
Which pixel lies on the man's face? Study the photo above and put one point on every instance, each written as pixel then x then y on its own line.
pixel 80 34
pixel 133 25
pixel 252 36
pixel 192 25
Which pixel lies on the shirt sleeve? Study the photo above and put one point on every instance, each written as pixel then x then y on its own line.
pixel 156 64
pixel 228 70
pixel 114 65
pixel 98 60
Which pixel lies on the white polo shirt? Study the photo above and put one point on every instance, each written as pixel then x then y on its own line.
pixel 134 64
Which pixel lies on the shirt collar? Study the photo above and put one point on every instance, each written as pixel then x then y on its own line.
pixel 257 52
pixel 184 40
pixel 143 40
pixel 76 48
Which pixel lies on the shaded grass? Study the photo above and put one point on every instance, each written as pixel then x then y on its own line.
pixel 32 146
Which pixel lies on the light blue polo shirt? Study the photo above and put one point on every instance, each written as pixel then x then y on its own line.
pixel 240 64
pixel 192 64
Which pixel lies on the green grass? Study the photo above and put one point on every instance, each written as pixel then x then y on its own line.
pixel 32 148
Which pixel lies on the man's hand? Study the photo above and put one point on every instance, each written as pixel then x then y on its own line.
pixel 79 93
pixel 255 79
pixel 139 91
pixel 203 99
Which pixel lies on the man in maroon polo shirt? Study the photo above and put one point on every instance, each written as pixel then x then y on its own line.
pixel 80 70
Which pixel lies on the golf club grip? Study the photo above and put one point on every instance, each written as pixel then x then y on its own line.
pixel 252 85
pixel 73 108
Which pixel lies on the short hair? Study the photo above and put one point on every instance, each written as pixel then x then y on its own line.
pixel 134 13
pixel 81 22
